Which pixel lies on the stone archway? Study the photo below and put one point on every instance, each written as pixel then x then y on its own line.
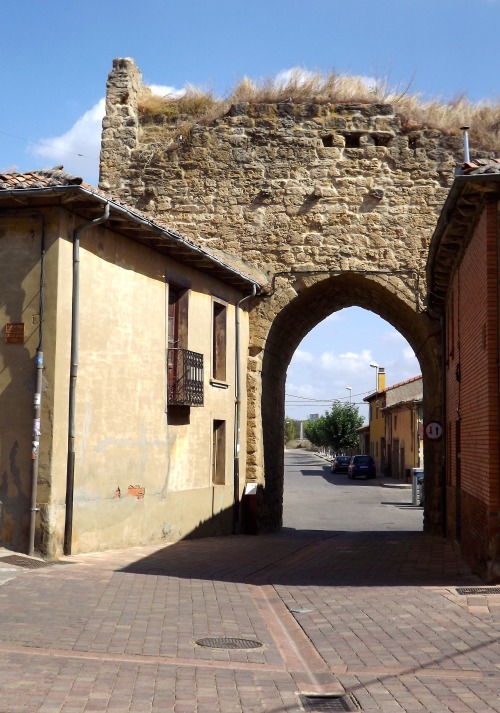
pixel 335 203
pixel 313 300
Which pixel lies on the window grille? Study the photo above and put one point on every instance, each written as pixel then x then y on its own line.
pixel 185 378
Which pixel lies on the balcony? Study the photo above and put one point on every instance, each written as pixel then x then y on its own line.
pixel 185 378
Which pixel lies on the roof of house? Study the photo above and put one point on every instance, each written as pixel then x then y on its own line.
pixel 409 391
pixel 406 386
pixel 47 187
pixel 405 383
pixel 476 181
pixel 480 166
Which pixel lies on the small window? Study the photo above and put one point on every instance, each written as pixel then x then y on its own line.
pixel 328 141
pixel 219 452
pixel 219 341
pixel 381 139
pixel 352 140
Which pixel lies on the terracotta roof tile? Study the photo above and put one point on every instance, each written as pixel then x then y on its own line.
pixel 38 179
pixel 402 383
pixel 56 177
pixel 481 165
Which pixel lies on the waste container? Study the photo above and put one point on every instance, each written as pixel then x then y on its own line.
pixel 417 486
pixel 250 509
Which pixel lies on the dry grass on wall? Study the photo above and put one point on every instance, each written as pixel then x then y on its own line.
pixel 178 114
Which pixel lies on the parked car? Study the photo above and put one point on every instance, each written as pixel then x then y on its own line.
pixel 362 465
pixel 340 464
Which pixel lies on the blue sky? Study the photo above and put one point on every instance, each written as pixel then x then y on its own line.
pixel 56 57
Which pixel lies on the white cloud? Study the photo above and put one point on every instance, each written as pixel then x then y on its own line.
pixel 297 75
pixel 162 90
pixel 78 148
pixel 392 335
pixel 302 357
pixel 334 317
pixel 307 391
pixel 350 362
pixel 408 353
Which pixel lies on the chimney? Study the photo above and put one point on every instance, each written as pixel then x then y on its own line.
pixel 465 129
pixel 381 379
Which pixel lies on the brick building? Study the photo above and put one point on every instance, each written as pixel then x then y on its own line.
pixel 463 273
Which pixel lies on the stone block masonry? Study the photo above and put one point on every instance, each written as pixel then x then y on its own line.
pixel 335 202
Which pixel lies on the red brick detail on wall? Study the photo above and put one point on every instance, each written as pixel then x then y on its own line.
pixel 137 491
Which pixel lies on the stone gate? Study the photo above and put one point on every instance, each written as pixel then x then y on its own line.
pixel 335 203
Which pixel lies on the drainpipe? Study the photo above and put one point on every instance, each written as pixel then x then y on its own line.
pixel 237 417
pixel 37 398
pixel 75 310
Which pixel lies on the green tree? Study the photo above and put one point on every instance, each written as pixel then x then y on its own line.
pixel 314 431
pixel 337 428
pixel 290 430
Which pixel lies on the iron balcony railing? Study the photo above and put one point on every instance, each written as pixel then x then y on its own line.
pixel 185 378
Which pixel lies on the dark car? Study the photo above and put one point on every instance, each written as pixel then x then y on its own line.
pixel 340 464
pixel 362 465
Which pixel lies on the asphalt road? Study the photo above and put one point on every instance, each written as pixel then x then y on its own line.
pixel 317 499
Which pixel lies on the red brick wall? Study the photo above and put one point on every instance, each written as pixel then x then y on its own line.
pixel 472 401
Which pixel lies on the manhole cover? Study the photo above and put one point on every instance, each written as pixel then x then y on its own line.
pixel 223 642
pixel 478 590
pixel 26 562
pixel 327 704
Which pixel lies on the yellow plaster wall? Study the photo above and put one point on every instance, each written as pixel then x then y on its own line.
pixel 20 241
pixel 123 434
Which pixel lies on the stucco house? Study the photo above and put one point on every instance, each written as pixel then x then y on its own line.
pixel 123 350
pixel 376 422
pixel 463 272
pixel 404 427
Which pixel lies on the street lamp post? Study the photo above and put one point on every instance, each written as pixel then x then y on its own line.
pixel 349 389
pixel 374 365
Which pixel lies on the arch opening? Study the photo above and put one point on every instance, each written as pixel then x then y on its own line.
pixel 298 310
pixel 331 370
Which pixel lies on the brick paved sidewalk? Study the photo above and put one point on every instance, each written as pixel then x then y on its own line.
pixel 376 615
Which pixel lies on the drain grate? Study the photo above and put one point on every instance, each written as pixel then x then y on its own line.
pixel 329 704
pixel 223 642
pixel 478 590
pixel 26 562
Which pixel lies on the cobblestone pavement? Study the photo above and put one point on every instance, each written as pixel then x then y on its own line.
pixel 375 615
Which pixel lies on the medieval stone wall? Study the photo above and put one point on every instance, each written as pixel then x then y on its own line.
pixel 336 203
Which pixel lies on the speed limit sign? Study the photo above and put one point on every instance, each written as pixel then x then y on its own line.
pixel 433 430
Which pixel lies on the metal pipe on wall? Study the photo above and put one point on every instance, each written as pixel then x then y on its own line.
pixel 75 329
pixel 37 397
pixel 237 416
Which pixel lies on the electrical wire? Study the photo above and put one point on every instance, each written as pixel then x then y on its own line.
pixel 48 145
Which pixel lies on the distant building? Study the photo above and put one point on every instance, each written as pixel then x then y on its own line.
pixel 364 439
pixel 403 417
pixel 376 404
